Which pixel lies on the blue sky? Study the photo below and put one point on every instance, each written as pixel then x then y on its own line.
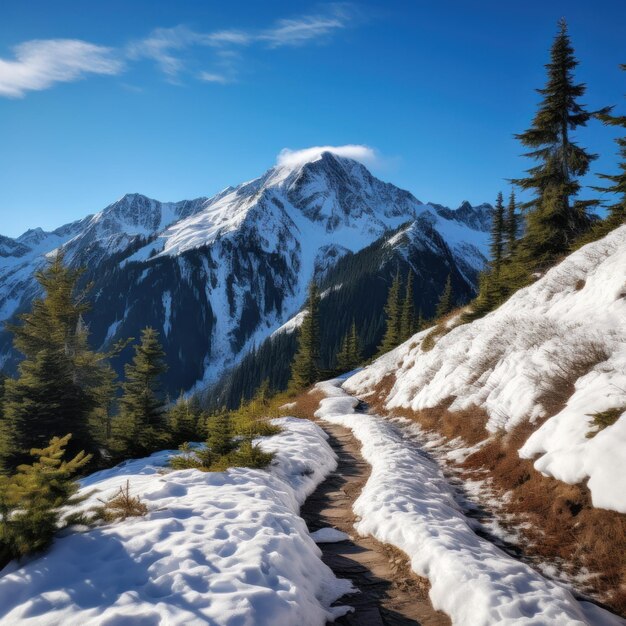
pixel 180 99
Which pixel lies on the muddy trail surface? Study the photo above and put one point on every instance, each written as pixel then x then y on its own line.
pixel 389 593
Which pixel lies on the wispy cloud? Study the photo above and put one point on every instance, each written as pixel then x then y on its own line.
pixel 40 63
pixel 210 77
pixel 160 46
pixel 165 45
pixel 358 152
pixel 301 31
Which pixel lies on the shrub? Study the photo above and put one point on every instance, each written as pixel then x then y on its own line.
pixel 602 419
pixel 121 505
pixel 31 499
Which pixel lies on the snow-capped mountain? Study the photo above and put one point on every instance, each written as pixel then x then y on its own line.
pixel 217 275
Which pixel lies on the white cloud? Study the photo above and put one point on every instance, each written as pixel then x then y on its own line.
pixel 293 158
pixel 159 45
pixel 300 31
pixel 41 63
pixel 211 77
pixel 164 45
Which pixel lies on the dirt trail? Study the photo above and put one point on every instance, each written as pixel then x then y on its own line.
pixel 389 592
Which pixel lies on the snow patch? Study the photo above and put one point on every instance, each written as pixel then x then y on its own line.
pixel 408 503
pixel 218 548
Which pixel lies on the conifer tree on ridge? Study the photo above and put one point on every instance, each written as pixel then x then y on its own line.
pixel 555 219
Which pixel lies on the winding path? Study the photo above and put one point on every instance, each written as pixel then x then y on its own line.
pixel 389 593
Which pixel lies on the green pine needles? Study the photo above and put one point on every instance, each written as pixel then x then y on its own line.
pixel 31 499
pixel 400 319
pixel 305 369
pixel 141 427
pixel 555 218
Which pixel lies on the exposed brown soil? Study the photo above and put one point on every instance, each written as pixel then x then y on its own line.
pixel 559 522
pixel 389 593
pixel 305 404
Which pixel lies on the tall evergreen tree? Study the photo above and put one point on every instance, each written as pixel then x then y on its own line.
pixel 497 237
pixel 142 425
pixel 407 316
pixel 393 315
pixel 617 210
pixel 61 381
pixel 5 443
pixel 554 218
pixel 446 302
pixel 511 227
pixel 305 368
pixel 349 355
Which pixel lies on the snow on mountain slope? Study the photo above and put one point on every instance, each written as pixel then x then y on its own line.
pixel 408 503
pixel 236 265
pixel 567 329
pixel 217 548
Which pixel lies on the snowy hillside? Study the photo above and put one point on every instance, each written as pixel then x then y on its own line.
pixel 553 355
pixel 216 276
pixel 408 503
pixel 218 548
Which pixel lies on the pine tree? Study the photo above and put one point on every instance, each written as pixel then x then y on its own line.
pixel 617 211
pixel 60 382
pixel 5 443
pixel 491 284
pixel 220 439
pixel 355 352
pixel 184 420
pixel 420 322
pixel 407 317
pixel 393 314
pixel 349 355
pixel 142 425
pixel 305 368
pixel 554 219
pixel 343 356
pixel 497 238
pixel 511 228
pixel 446 302
pixel 31 499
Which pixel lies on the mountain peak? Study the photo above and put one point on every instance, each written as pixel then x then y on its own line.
pixel 294 159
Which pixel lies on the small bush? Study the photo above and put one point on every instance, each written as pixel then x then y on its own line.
pixel 198 458
pixel 243 454
pixel 121 505
pixel 250 455
pixel 603 419
pixel 428 343
pixel 31 500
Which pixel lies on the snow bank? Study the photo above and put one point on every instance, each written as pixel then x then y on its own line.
pixel 408 503
pixel 569 324
pixel 218 548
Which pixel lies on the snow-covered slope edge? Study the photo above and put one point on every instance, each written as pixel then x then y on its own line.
pixel 219 548
pixel 566 330
pixel 408 503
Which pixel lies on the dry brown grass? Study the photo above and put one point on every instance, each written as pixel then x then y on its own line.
pixel 121 506
pixel 305 404
pixel 563 522
pixel 559 521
